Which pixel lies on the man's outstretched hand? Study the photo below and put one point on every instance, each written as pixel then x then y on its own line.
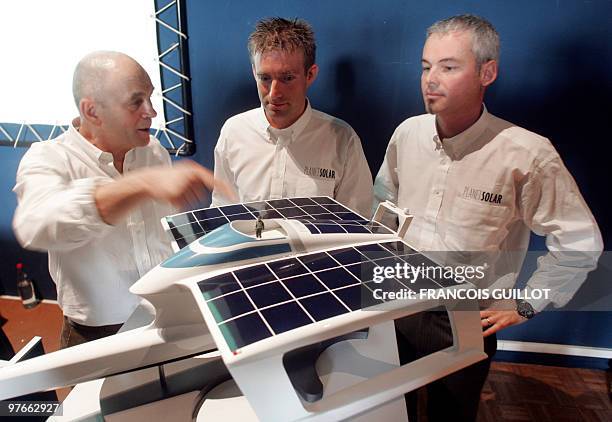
pixel 181 185
pixel 186 183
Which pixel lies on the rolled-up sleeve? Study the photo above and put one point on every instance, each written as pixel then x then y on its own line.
pixel 54 212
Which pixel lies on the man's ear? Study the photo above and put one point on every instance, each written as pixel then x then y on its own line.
pixel 89 111
pixel 311 74
pixel 488 73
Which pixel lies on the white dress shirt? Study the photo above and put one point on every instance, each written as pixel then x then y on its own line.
pixel 318 155
pixel 93 264
pixel 483 191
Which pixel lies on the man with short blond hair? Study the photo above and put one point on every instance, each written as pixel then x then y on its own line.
pixel 285 148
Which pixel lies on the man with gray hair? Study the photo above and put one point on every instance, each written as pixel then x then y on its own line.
pixel 94 196
pixel 285 148
pixel 477 186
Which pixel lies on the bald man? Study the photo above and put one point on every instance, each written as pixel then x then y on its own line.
pixel 94 196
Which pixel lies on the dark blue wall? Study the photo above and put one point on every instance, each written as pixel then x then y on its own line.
pixel 10 252
pixel 554 79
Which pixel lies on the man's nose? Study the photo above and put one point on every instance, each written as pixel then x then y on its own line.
pixel 275 89
pixel 149 111
pixel 431 78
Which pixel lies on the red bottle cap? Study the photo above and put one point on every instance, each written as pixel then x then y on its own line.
pixel 19 266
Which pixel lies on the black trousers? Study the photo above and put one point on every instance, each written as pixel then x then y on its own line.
pixel 6 350
pixel 74 333
pixel 454 397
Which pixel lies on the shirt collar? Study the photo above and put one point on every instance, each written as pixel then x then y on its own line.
pixel 90 149
pixel 288 134
pixel 456 145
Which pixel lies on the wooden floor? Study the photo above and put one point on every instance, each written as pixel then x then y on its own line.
pixel 524 392
pixel 513 392
pixel 44 320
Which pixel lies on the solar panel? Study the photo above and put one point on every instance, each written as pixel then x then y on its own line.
pixel 320 215
pixel 264 300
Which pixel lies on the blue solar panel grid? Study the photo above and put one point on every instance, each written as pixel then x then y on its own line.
pixel 260 301
pixel 325 215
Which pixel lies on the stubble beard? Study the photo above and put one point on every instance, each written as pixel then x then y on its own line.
pixel 428 107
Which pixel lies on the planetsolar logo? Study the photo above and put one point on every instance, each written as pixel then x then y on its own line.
pixel 482 196
pixel 320 172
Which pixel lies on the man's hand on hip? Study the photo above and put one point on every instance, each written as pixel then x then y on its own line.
pixel 494 320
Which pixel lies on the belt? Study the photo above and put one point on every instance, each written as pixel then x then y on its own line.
pixel 110 328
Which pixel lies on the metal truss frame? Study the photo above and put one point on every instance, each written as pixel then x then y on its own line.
pixel 176 133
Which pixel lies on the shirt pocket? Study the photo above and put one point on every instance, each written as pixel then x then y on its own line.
pixel 311 186
pixel 476 226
